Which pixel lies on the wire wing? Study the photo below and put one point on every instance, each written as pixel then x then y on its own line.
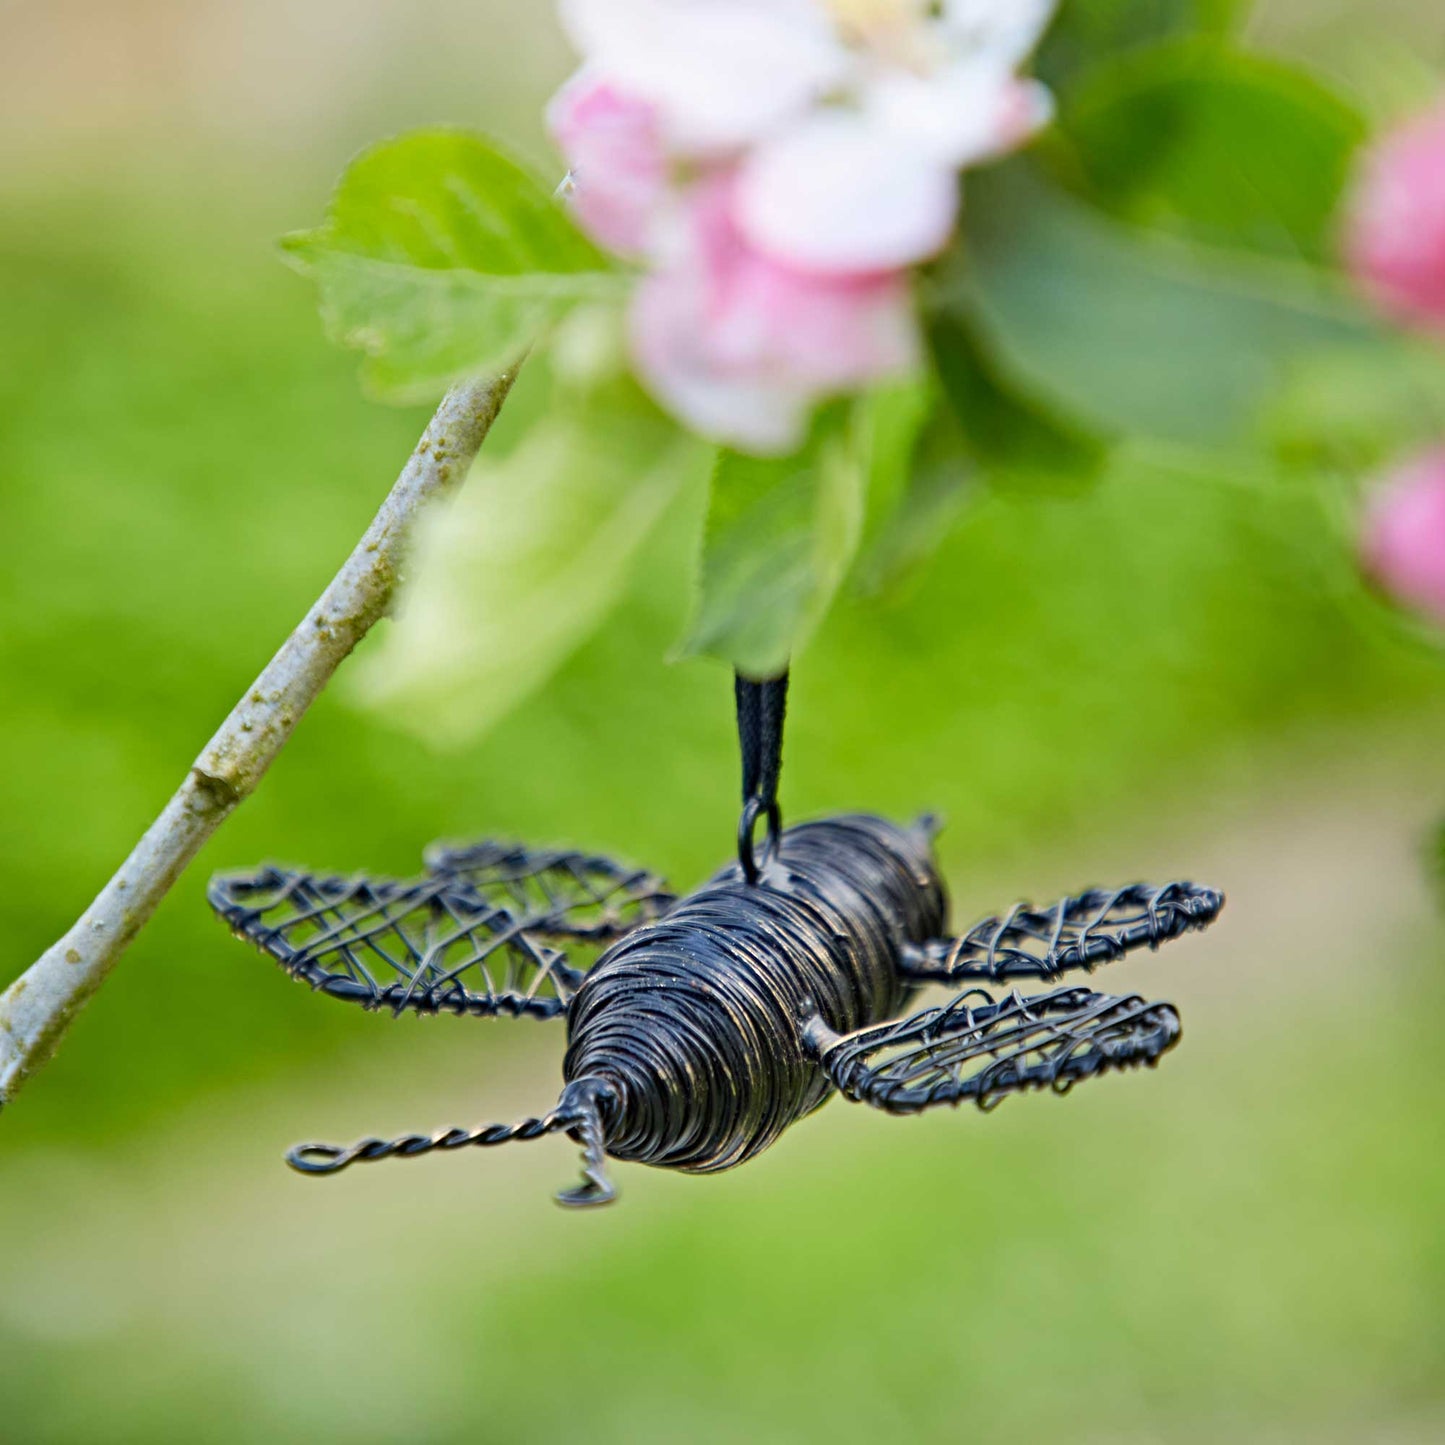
pixel 424 944
pixel 1079 932
pixel 980 1049
pixel 561 894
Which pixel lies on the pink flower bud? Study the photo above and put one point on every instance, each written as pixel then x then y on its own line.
pixel 1402 542
pixel 1395 228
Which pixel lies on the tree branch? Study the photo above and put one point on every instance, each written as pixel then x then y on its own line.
pixel 38 1007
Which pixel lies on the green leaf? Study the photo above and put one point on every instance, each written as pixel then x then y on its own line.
pixel 1351 410
pixel 1435 860
pixel 932 446
pixel 941 477
pixel 1132 333
pixel 781 533
pixel 892 418
pixel 1231 148
pixel 442 258
pixel 1011 436
pixel 1089 32
pixel 524 565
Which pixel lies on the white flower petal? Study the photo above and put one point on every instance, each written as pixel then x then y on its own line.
pixel 950 113
pixel 965 113
pixel 721 72
pixel 1006 30
pixel 744 413
pixel 841 195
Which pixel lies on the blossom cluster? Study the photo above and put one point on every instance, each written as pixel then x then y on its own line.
pixel 1395 246
pixel 776 169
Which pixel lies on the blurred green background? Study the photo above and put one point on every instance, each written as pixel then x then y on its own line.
pixel 1157 679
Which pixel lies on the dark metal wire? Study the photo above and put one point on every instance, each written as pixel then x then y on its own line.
pixel 556 893
pixel 578 1113
pixel 713 1023
pixel 978 1049
pixel 1079 932
pixel 331 1158
pixel 762 706
pixel 693 1020
pixel 468 938
pixel 590 1100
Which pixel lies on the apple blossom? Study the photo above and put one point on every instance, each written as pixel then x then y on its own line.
pixel 778 167
pixel 1395 235
pixel 873 184
pixel 742 346
pixel 1402 544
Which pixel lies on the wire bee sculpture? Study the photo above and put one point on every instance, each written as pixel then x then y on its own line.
pixel 711 1022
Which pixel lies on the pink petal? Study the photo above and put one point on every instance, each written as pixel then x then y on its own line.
pixel 612 144
pixel 742 346
pixel 720 72
pixel 1028 107
pixel 844 195
pixel 740 408
pixel 1402 543
pixel 828 332
pixel 1395 227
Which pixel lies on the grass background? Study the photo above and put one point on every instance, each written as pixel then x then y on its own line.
pixel 1157 679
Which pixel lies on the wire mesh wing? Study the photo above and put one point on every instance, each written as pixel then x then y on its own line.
pixel 980 1049
pixel 559 893
pixel 1079 932
pixel 425 944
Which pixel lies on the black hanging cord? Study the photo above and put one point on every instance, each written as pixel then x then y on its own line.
pixel 762 705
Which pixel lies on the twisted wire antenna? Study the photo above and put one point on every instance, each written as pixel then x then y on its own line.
pixel 578 1114
pixel 587 1097
pixel 332 1158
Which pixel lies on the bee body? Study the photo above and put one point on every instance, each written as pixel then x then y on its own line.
pixel 691 1024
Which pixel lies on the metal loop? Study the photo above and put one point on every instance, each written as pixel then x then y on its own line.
pixel 762 705
pixel 753 809
pixel 319 1158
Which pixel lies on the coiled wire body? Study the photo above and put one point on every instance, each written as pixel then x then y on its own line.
pixel 690 1026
